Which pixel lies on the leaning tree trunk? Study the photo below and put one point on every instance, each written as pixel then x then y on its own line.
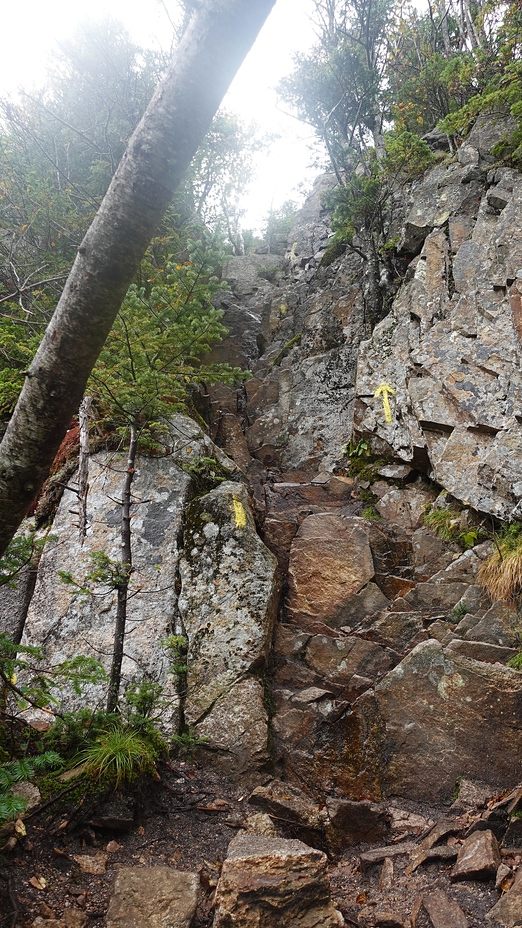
pixel 219 35
pixel 125 572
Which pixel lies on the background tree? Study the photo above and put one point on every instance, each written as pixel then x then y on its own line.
pixel 60 147
pixel 338 87
pixel 495 74
pixel 278 225
pixel 219 34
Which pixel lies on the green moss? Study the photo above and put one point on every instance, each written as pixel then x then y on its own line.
pixel 268 698
pixel 268 273
pixel 206 474
pixel 366 468
pixel 332 253
pixel 284 351
pixel 516 661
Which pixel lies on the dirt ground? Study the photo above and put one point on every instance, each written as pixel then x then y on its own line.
pixel 186 820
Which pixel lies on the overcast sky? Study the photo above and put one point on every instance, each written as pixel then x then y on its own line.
pixel 30 29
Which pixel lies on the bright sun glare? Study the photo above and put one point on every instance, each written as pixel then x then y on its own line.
pixel 31 29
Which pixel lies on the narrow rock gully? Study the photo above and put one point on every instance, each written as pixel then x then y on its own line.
pixel 347 676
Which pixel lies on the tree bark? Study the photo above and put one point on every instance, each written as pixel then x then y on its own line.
pixel 125 572
pixel 219 35
pixel 83 466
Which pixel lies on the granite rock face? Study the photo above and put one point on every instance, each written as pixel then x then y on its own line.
pixel 227 606
pixel 66 623
pixel 304 327
pixel 442 716
pixel 450 347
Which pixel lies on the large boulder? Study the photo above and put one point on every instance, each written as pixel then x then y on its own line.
pixel 330 561
pixel 442 716
pixel 66 622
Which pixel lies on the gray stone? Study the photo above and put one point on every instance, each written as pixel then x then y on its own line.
pixel 487 131
pixel 369 601
pixel 236 732
pixel 433 700
pixel 338 659
pixel 393 629
pixel 379 854
pixel 454 361
pixel 269 880
pixel 152 897
pixel 481 651
pixel 444 911
pixel 72 918
pixel 285 801
pixel 508 910
pixel 499 626
pixel 472 795
pixel 260 824
pixel 229 598
pixel 66 623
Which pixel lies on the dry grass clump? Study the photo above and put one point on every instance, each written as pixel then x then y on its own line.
pixel 501 574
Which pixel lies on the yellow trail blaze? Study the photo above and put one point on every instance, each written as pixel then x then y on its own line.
pixel 383 389
pixel 239 513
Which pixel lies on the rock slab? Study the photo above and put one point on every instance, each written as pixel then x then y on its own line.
pixel 444 716
pixel 152 897
pixel 227 606
pixel 270 881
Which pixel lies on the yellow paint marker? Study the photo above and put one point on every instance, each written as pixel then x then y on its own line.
pixel 239 513
pixel 384 388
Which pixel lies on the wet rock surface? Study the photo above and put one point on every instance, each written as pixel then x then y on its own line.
pixel 449 349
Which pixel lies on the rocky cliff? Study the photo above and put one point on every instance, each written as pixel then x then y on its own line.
pixel 332 637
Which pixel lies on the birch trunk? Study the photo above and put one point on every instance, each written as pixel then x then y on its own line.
pixel 218 37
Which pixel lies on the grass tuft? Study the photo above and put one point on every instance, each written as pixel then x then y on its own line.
pixel 118 755
pixel 501 574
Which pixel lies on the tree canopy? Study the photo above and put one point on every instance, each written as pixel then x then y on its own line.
pixel 60 147
pixel 380 76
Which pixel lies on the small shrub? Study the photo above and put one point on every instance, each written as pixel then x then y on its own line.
pixel 501 574
pixel 459 611
pixel 444 522
pixel 268 273
pixel 516 661
pixel 207 473
pixel 176 648
pixel 17 771
pixel 186 744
